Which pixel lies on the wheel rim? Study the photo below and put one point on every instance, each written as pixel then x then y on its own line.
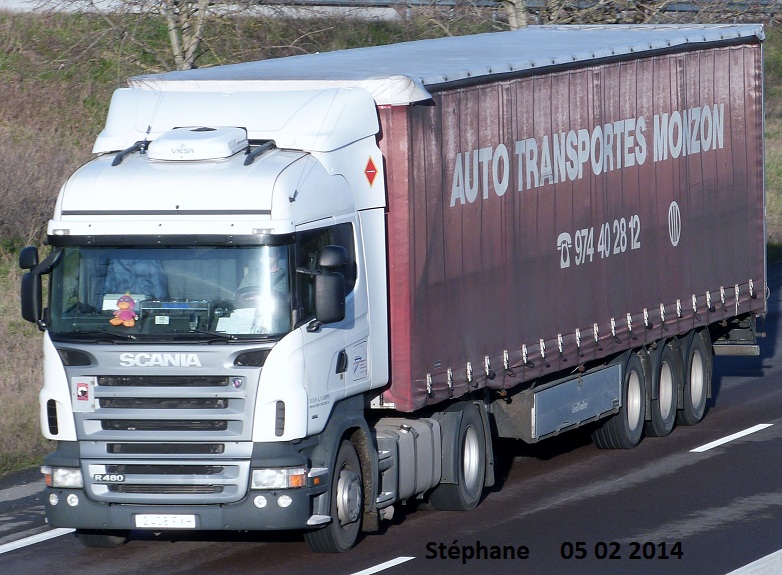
pixel 471 464
pixel 665 396
pixel 349 495
pixel 697 380
pixel 633 401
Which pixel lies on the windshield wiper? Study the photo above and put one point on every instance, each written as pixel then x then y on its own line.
pixel 221 336
pixel 212 336
pixel 98 336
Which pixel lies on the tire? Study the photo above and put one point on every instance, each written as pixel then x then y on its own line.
pixel 667 376
pixel 697 380
pixel 347 505
pixel 102 539
pixel 470 454
pixel 625 429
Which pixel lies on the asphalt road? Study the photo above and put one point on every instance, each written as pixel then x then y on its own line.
pixel 560 507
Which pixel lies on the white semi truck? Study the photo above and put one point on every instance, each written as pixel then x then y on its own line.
pixel 290 294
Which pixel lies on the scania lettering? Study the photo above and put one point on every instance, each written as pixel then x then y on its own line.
pixel 159 359
pixel 293 294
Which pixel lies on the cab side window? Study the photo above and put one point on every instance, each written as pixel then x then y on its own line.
pixel 309 244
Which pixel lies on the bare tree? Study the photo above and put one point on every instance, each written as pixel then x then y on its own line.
pixel 516 12
pixel 186 21
pixel 654 11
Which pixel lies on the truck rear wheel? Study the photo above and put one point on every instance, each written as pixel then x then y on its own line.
pixel 667 375
pixel 470 454
pixel 101 539
pixel 347 505
pixel 697 376
pixel 624 429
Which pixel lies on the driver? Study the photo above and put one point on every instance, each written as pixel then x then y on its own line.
pixel 256 284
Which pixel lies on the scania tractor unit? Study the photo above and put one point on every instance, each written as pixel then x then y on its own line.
pixel 290 294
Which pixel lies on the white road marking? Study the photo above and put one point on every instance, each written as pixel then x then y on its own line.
pixel 729 438
pixel 33 539
pixel 384 566
pixel 768 565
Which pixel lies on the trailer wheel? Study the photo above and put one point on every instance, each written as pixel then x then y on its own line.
pixel 667 373
pixel 102 539
pixel 347 505
pixel 470 454
pixel 697 375
pixel 624 429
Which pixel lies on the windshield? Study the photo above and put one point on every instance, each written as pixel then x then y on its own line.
pixel 169 292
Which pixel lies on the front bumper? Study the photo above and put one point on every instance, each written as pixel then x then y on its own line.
pixel 239 516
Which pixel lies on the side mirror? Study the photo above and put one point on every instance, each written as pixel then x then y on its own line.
pixel 330 285
pixel 329 297
pixel 31 297
pixel 332 257
pixel 32 290
pixel 28 258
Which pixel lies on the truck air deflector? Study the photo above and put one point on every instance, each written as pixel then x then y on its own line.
pixel 300 120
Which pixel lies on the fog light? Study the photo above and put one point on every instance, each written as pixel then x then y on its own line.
pixel 72 499
pixel 54 499
pixel 260 502
pixel 284 500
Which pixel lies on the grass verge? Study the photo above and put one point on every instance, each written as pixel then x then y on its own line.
pixel 21 442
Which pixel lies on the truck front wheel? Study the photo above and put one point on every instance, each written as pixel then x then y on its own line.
pixel 470 453
pixel 347 505
pixel 102 539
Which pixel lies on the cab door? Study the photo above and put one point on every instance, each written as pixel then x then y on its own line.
pixel 336 360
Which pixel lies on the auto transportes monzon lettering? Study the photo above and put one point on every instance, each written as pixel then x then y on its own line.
pixel 562 157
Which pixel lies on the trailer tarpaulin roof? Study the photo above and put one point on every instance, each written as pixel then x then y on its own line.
pixel 407 72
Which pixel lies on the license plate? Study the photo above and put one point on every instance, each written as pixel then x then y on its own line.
pixel 165 521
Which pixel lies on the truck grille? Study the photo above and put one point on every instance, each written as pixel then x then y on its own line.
pixel 167 489
pixel 138 469
pixel 197 408
pixel 162 425
pixel 167 439
pixel 166 448
pixel 176 482
pixel 162 381
pixel 162 403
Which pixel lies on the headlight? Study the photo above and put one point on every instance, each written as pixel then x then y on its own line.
pixel 285 478
pixel 65 477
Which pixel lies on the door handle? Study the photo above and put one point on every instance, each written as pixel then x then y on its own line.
pixel 342 362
